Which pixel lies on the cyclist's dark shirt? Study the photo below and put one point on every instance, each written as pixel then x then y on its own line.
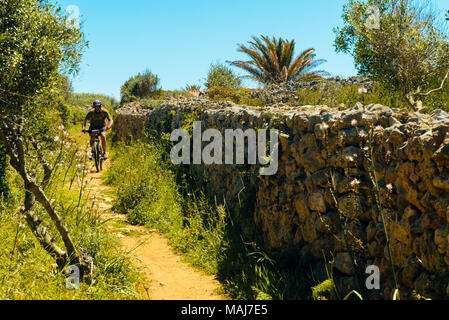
pixel 98 120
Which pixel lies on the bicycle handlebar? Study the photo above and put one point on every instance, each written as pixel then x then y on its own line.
pixel 95 131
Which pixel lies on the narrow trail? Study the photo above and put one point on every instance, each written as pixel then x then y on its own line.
pixel 168 278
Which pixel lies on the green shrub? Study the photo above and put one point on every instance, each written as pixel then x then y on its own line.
pixel 223 94
pixel 409 51
pixel 142 86
pixel 221 76
pixel 71 115
pixel 245 97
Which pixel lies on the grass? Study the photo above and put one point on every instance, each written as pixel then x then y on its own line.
pixel 27 272
pixel 333 95
pixel 150 197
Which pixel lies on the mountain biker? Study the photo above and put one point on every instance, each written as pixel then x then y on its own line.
pixel 97 118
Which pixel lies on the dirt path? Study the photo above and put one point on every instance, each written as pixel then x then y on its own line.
pixel 168 278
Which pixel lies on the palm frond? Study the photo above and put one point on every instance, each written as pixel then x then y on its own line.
pixel 273 61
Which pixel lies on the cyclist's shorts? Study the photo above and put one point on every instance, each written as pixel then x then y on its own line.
pixel 97 128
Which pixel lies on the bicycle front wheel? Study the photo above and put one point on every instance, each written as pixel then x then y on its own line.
pixel 100 158
pixel 96 157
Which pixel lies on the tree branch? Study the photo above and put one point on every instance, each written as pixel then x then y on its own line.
pixel 437 89
pixel 41 232
pixel 48 170
pixel 9 150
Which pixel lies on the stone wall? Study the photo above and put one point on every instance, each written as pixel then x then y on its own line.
pixel 300 211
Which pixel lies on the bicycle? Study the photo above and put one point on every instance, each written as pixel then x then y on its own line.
pixel 97 150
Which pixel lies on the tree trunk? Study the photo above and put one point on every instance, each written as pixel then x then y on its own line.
pixel 41 232
pixel 43 200
pixel 34 192
pixel 409 97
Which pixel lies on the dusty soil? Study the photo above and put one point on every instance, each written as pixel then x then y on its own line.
pixel 168 277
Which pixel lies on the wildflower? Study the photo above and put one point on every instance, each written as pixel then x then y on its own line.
pixel 21 225
pixel 354 122
pixel 56 139
pixel 378 128
pixel 61 127
pixel 363 133
pixel 355 183
pixel 21 210
pixel 366 149
pixel 390 187
pixel 349 158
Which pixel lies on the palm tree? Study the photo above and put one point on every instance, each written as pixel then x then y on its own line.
pixel 272 62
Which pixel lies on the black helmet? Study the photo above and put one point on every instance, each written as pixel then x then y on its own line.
pixel 98 103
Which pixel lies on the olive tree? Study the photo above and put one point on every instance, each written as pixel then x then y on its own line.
pixel 398 43
pixel 37 44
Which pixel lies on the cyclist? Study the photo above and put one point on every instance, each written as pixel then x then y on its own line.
pixel 97 118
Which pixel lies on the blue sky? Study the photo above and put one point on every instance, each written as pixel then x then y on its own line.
pixel 179 39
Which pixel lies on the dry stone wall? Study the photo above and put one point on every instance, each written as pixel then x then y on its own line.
pixel 322 201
